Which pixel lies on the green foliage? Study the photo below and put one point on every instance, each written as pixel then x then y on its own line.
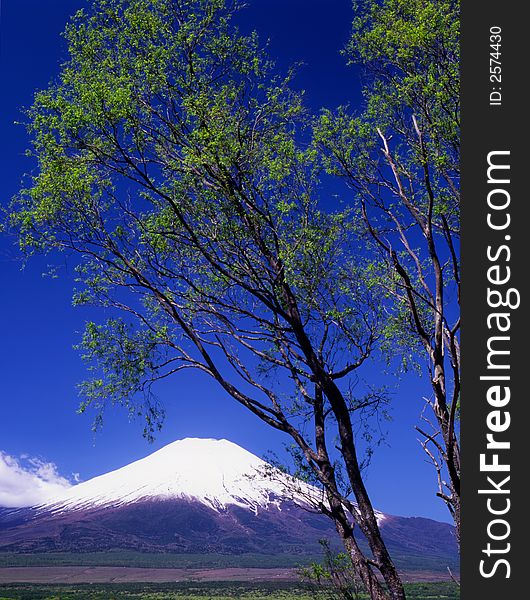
pixel 156 560
pixel 199 591
pixel 334 578
pixel 125 558
pixel 125 358
pixel 410 53
pixel 400 155
pixel 169 162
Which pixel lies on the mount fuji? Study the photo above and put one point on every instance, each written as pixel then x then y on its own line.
pixel 202 496
pixel 215 473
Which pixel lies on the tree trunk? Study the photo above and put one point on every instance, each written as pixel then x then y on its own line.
pixel 363 566
pixel 368 523
pixel 452 449
pixel 370 528
pixel 359 561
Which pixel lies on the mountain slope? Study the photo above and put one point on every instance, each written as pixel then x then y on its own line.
pixel 200 497
pixel 216 473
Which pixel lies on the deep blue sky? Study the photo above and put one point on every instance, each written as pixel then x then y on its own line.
pixel 39 367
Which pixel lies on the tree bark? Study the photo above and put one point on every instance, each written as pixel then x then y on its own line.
pixel 367 523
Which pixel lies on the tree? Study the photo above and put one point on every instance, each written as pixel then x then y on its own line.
pixel 169 164
pixel 401 158
pixel 333 578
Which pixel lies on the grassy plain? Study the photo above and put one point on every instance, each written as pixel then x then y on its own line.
pixel 124 558
pixel 201 591
pixel 150 560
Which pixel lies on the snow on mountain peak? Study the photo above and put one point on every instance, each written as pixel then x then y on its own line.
pixel 214 472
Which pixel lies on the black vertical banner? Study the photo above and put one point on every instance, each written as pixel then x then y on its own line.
pixel 495 243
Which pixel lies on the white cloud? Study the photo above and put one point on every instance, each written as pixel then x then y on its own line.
pixel 28 481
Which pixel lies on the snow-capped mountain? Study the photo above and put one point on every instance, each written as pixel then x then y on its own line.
pixel 202 496
pixel 216 473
